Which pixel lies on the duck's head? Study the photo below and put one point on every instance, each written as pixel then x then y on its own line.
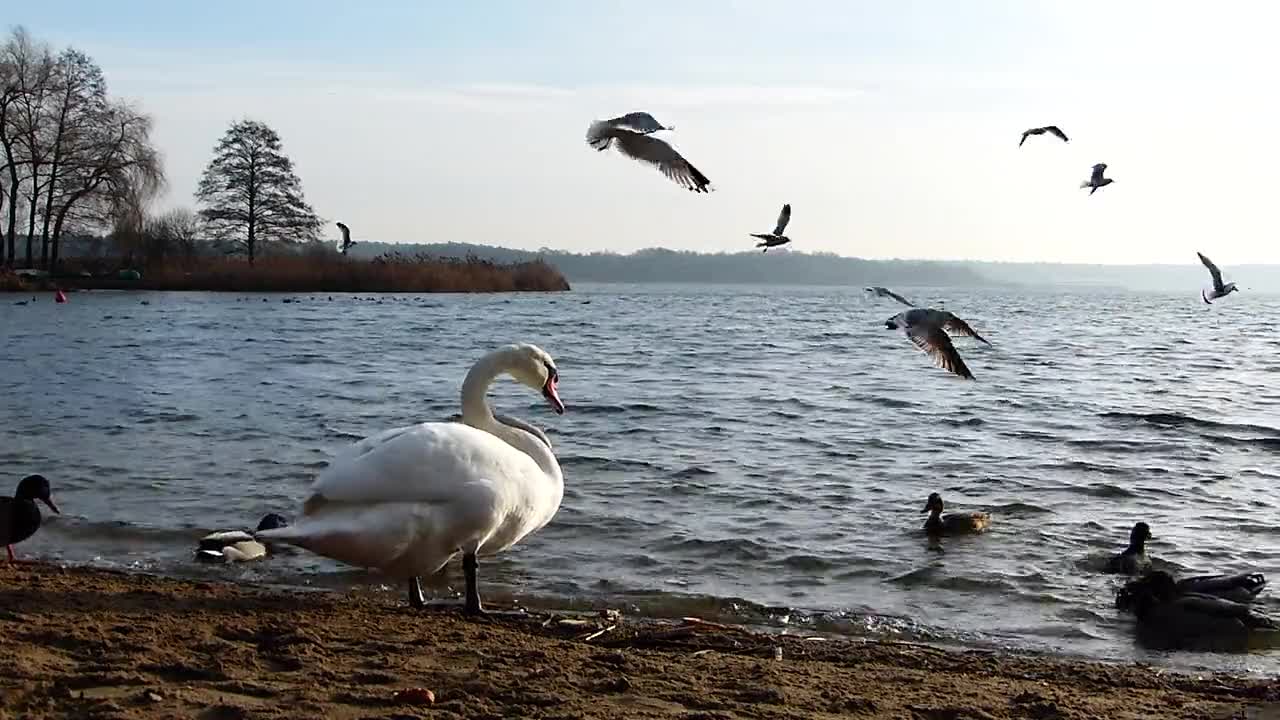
pixel 1140 534
pixel 934 504
pixel 533 366
pixel 36 487
pixel 1139 595
pixel 271 521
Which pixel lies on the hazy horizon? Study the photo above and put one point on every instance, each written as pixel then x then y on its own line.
pixel 892 129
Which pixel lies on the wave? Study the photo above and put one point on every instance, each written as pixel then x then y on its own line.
pixel 1175 419
pixel 693 471
pixel 604 463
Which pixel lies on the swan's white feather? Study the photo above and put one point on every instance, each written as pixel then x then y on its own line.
pixel 407 499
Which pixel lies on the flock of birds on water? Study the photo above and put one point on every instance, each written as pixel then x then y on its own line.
pixel 408 500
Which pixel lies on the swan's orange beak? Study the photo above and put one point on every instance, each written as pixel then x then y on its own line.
pixel 553 397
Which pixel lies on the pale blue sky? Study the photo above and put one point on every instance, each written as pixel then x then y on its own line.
pixel 891 127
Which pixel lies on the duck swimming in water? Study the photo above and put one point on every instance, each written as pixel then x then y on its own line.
pixel 1241 588
pixel 19 515
pixel 955 523
pixel 1133 560
pixel 237 545
pixel 1169 619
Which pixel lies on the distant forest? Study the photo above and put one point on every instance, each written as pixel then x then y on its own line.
pixel 799 268
pixel 678 266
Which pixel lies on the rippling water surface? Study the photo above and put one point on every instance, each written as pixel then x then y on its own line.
pixel 760 452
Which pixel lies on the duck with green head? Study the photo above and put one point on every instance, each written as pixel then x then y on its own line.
pixel 954 523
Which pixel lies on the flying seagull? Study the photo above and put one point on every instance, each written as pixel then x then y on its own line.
pixel 1219 289
pixel 644 147
pixel 886 292
pixel 776 238
pixel 928 329
pixel 347 242
pixel 1051 129
pixel 1096 180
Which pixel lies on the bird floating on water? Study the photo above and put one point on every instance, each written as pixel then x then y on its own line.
pixel 641 145
pixel 1219 288
pixel 886 292
pixel 1096 180
pixel 237 545
pixel 1241 588
pixel 928 329
pixel 776 238
pixel 407 500
pixel 1133 559
pixel 955 523
pixel 19 515
pixel 1051 129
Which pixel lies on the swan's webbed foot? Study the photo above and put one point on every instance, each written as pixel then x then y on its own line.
pixel 471 605
pixel 416 598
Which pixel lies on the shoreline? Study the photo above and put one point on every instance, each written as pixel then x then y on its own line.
pixel 86 642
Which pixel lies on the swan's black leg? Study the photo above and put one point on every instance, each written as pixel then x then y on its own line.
pixel 472 605
pixel 416 598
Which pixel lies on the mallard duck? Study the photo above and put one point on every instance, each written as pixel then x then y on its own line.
pixel 1241 588
pixel 237 545
pixel 19 515
pixel 1133 560
pixel 1169 619
pixel 955 523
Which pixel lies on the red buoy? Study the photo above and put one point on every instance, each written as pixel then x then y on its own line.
pixel 60 297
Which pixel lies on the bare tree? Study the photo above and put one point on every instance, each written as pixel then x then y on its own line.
pixel 24 71
pixel 176 232
pixel 251 193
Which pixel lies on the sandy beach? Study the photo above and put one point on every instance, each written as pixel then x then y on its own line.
pixel 87 643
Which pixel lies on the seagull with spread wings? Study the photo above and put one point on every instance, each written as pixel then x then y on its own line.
pixel 776 237
pixel 632 134
pixel 886 292
pixel 1051 129
pixel 1096 180
pixel 1219 289
pixel 928 329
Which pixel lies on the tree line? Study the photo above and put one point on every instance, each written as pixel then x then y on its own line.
pixel 76 161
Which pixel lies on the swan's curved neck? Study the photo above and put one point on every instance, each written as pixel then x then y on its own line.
pixel 477 413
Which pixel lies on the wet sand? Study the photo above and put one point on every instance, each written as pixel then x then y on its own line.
pixel 94 644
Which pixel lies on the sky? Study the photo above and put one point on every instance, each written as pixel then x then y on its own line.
pixel 891 127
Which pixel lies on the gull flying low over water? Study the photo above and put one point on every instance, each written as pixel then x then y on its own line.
pixel 886 292
pixel 639 144
pixel 776 238
pixel 1051 129
pixel 1219 289
pixel 1096 180
pixel 928 329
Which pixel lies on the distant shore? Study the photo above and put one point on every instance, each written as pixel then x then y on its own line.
pixel 81 642
pixel 302 274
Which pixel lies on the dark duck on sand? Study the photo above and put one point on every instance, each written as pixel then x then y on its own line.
pixel 19 515
pixel 1133 560
pixel 237 545
pixel 955 523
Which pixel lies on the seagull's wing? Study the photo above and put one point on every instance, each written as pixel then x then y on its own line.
pixel 1214 271
pixel 1025 133
pixel 886 292
pixel 346 232
pixel 641 122
pixel 1056 131
pixel 784 217
pixel 1097 173
pixel 936 342
pixel 762 236
pixel 960 327
pixel 658 153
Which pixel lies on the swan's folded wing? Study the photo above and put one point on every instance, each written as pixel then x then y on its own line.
pixel 428 462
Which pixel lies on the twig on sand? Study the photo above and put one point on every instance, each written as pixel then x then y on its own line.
pixel 598 633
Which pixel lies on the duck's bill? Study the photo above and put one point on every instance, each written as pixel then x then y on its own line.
pixel 49 502
pixel 553 397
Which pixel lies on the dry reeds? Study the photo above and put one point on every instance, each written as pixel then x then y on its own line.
pixel 301 273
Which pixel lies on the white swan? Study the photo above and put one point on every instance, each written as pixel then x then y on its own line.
pixel 406 500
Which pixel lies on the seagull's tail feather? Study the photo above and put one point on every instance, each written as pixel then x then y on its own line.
pixel 1085 184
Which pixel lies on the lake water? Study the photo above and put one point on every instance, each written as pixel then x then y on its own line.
pixel 760 453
